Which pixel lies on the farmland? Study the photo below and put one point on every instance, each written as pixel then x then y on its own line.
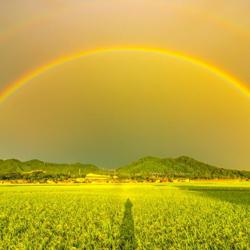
pixel 126 216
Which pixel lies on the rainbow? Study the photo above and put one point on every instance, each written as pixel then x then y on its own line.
pixel 15 86
pixel 37 21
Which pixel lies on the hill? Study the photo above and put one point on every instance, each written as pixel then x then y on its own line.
pixel 181 167
pixel 142 169
pixel 35 169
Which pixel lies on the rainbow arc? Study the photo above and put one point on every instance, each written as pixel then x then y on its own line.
pixel 16 85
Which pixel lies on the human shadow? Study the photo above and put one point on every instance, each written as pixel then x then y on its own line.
pixel 127 230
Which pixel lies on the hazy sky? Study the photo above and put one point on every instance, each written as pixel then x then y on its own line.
pixel 112 107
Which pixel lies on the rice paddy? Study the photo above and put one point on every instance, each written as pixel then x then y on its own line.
pixel 125 216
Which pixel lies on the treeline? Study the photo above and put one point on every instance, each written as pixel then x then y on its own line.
pixel 145 169
pixel 35 176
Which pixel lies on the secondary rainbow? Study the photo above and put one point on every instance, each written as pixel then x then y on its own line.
pixel 14 86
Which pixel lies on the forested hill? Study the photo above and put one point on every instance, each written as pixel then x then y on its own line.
pixel 181 167
pixel 145 168
pixel 13 168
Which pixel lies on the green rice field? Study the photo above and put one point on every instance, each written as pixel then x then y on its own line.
pixel 125 216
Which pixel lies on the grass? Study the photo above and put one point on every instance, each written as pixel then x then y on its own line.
pixel 125 216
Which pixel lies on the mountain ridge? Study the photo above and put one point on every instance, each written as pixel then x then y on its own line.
pixel 180 167
pixel 148 167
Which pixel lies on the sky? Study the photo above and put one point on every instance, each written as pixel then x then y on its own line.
pixel 108 82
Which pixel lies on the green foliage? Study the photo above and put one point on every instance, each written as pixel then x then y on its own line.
pixel 126 216
pixel 38 170
pixel 181 167
pixel 148 168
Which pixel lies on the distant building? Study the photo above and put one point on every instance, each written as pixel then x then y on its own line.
pixel 97 178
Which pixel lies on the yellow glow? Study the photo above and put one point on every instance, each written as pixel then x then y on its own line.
pixel 13 87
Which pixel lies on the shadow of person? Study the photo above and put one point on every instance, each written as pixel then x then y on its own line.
pixel 127 230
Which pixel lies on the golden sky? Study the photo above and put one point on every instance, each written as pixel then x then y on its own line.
pixel 115 105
